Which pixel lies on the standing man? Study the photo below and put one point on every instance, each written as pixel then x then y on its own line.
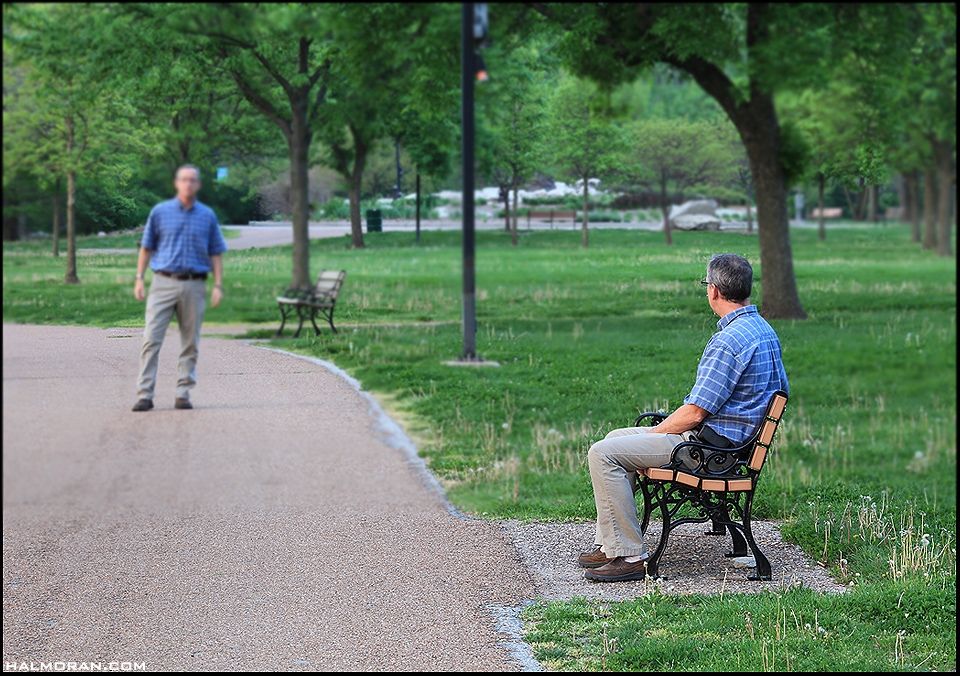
pixel 183 244
pixel 740 370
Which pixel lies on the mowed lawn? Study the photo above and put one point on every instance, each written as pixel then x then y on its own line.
pixel 864 470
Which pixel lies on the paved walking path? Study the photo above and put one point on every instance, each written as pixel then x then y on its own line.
pixel 272 527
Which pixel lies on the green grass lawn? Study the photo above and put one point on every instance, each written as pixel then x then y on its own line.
pixel 864 473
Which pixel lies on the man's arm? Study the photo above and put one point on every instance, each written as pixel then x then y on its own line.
pixel 142 262
pixel 216 262
pixel 683 419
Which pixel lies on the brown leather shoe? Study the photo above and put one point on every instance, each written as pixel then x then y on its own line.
pixel 182 403
pixel 619 570
pixel 143 405
pixel 593 559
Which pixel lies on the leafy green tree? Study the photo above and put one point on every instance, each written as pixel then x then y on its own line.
pixel 584 140
pixel 513 108
pixel 931 79
pixel 740 54
pixel 677 155
pixel 69 124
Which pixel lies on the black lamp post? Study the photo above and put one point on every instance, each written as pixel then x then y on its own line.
pixel 473 31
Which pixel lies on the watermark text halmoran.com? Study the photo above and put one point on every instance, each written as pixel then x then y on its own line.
pixel 12 665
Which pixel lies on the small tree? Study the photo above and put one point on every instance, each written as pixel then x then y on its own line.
pixel 75 125
pixel 677 155
pixel 512 111
pixel 584 142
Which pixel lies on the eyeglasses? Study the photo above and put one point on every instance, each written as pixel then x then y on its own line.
pixel 704 282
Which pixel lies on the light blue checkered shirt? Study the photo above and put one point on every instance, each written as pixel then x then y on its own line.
pixel 741 368
pixel 182 240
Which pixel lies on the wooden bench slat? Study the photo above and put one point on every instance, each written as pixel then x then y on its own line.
pixel 757 458
pixel 776 409
pixel 688 479
pixel 766 433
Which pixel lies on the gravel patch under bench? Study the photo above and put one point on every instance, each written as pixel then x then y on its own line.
pixel 692 563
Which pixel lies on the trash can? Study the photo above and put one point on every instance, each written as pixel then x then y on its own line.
pixel 374 220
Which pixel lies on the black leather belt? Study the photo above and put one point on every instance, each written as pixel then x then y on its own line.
pixel 192 275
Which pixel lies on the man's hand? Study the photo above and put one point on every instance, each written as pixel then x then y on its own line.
pixel 216 296
pixel 138 291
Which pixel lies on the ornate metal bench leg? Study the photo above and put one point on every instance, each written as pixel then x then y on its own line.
pixel 653 564
pixel 283 319
pixel 718 529
pixel 764 572
pixel 644 487
pixel 316 328
pixel 739 544
pixel 300 315
pixel 330 320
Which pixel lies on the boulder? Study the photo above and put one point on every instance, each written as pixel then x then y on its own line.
pixel 694 207
pixel 695 215
pixel 695 222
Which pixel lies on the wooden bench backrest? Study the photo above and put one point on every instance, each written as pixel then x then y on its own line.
pixel 329 283
pixel 767 429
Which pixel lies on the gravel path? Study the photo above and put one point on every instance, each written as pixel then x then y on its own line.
pixel 273 527
pixel 692 563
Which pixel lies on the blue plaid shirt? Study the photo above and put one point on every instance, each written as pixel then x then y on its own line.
pixel 741 368
pixel 182 240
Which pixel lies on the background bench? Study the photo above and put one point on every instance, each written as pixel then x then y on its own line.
pixel 713 482
pixel 551 214
pixel 320 299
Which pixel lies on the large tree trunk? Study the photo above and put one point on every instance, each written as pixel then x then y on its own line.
pixel 299 145
pixel 912 181
pixel 756 120
pixel 71 275
pixel 56 218
pixel 942 157
pixel 760 130
pixel 872 196
pixel 354 183
pixel 821 227
pixel 929 208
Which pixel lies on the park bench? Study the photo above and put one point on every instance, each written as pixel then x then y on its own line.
pixel 309 302
pixel 714 482
pixel 552 214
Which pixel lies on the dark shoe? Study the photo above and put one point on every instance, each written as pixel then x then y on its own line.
pixel 619 570
pixel 143 405
pixel 593 559
pixel 182 403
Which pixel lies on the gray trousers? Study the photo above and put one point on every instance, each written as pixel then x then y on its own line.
pixel 614 462
pixel 168 297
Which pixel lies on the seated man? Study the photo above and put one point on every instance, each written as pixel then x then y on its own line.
pixel 741 368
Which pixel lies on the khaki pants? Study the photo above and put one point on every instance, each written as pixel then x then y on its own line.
pixel 614 462
pixel 186 299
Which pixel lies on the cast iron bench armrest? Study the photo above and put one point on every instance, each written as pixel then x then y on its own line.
pixel 657 417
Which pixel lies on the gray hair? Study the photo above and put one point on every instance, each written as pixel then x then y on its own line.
pixel 186 166
pixel 732 275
